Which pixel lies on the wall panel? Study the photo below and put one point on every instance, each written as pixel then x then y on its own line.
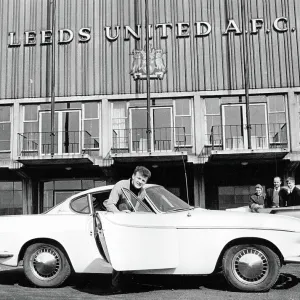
pixel 102 67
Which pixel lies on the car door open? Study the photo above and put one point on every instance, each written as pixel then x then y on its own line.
pixel 139 240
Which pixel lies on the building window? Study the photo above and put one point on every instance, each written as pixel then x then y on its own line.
pixel 213 121
pixel 30 135
pixel 226 122
pixel 234 196
pixel 11 198
pixel 183 120
pixel 277 120
pixel 119 125
pixel 5 128
pixel 57 191
pixel 91 125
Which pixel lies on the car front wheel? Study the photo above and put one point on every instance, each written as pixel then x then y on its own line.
pixel 251 268
pixel 45 265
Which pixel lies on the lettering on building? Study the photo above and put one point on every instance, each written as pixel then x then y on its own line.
pixel 163 30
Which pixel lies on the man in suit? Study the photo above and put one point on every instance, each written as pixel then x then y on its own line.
pixel 276 196
pixel 293 192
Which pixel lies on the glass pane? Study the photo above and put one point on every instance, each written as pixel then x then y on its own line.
pixel 81 205
pixel 182 107
pixel 87 184
pixel 91 110
pixel 276 103
pixel 48 200
pixel 225 100
pixel 68 185
pixel 139 127
pixel 257 114
pixel 4 113
pixel 162 133
pixel 62 196
pixel 75 104
pixel 257 98
pixel 119 110
pixel 100 183
pixel 234 127
pixel 184 122
pixel 18 186
pixel 138 205
pixel 31 127
pixel 30 112
pixel 48 185
pixel 92 127
pixel 212 105
pixel 6 186
pixel 46 132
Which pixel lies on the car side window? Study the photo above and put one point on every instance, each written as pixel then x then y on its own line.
pixel 138 205
pixel 81 205
pixel 98 199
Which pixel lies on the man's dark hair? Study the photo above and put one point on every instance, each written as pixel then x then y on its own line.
pixel 143 171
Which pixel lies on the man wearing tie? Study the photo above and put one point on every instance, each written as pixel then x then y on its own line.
pixel 276 196
pixel 293 192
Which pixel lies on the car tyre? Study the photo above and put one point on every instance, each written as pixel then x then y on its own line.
pixel 251 268
pixel 46 265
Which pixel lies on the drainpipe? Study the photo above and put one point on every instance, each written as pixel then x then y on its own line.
pixel 148 77
pixel 53 2
pixel 246 73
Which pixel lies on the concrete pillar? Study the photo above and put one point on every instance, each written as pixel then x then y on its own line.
pixel 199 124
pixel 293 121
pixel 27 195
pixel 199 186
pixel 106 130
pixel 16 126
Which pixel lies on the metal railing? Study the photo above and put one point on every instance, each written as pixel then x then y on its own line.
pixel 135 139
pixel 65 142
pixel 263 136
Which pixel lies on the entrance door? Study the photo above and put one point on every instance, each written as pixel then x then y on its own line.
pixel 67 138
pixel 162 129
pixel 235 134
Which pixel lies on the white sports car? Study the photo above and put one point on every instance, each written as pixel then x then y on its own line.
pixel 162 235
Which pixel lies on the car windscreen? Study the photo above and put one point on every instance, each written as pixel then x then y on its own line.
pixel 165 201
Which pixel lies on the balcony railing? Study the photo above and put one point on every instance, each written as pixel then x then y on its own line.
pixel 65 142
pixel 135 139
pixel 234 137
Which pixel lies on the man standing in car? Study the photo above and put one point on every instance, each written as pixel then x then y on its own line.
pixel 117 202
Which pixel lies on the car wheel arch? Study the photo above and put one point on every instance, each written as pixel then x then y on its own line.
pixel 45 241
pixel 247 240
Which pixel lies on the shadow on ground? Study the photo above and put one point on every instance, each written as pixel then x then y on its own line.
pixel 98 284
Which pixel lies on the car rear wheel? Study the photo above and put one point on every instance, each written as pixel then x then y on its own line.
pixel 45 265
pixel 251 268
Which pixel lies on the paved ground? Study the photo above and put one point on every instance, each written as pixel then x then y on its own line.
pixel 13 285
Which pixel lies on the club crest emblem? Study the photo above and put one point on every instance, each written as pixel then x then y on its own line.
pixel 157 67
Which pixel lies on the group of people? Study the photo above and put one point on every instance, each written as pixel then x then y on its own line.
pixel 277 196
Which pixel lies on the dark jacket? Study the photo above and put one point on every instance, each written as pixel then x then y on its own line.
pixel 282 197
pixel 294 197
pixel 256 201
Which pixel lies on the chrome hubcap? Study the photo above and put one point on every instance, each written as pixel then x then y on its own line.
pixel 250 266
pixel 45 263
